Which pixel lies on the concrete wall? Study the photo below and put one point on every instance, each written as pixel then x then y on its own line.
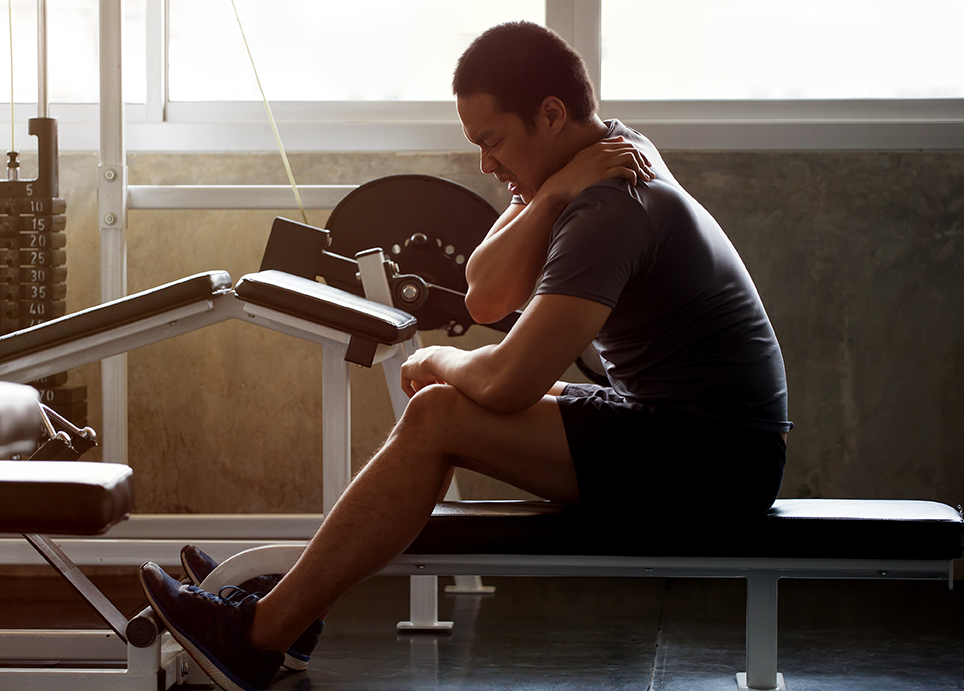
pixel 859 258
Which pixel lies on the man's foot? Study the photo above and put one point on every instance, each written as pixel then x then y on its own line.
pixel 211 630
pixel 197 565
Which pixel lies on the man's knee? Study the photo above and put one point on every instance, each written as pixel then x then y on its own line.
pixel 433 409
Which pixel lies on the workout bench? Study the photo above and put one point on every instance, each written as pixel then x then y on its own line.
pixel 798 538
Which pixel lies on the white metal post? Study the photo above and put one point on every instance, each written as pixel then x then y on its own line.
pixel 112 220
pixel 336 424
pixel 423 606
pixel 761 632
pixel 42 101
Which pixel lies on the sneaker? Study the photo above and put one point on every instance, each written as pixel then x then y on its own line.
pixel 211 629
pixel 197 565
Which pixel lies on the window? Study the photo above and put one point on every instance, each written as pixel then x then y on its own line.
pixel 307 50
pixel 73 53
pixel 692 73
pixel 762 50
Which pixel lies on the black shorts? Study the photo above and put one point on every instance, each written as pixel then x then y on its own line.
pixel 641 459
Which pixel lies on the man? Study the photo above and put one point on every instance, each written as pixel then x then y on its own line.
pixel 616 254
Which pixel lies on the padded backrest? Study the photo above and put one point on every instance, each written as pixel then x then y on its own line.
pixel 369 323
pixel 112 314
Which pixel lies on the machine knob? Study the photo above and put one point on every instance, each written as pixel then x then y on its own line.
pixel 417 240
pixel 410 292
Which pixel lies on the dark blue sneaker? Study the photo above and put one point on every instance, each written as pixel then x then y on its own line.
pixel 211 629
pixel 197 565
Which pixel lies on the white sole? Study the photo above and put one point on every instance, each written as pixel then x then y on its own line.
pixel 212 670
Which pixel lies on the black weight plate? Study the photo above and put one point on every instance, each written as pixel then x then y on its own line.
pixel 392 212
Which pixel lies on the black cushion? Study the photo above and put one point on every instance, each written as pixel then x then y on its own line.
pixel 112 314
pixel 63 497
pixel 328 306
pixel 810 528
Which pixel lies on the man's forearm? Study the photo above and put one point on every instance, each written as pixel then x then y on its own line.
pixel 503 270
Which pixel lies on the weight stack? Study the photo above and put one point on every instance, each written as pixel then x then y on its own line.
pixel 33 260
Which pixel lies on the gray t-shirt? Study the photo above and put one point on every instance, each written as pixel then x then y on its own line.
pixel 688 329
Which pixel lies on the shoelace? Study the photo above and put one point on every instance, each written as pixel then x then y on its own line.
pixel 237 595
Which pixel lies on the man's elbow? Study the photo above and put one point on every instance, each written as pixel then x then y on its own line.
pixel 485 309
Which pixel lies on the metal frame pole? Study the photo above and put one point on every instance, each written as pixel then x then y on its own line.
pixel 761 630
pixel 112 220
pixel 42 101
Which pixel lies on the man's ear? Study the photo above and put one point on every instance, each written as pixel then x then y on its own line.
pixel 553 114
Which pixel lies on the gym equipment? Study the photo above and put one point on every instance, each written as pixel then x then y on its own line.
pixel 802 538
pixel 73 498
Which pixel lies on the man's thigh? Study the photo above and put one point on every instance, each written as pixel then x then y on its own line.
pixel 527 449
pixel 655 460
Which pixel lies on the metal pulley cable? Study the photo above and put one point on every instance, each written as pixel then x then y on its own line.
pixel 10 23
pixel 274 126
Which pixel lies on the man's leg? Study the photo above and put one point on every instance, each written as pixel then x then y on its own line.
pixel 389 502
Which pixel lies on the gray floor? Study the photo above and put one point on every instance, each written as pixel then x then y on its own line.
pixel 665 635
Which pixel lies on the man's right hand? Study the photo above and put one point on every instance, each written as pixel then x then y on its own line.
pixel 603 160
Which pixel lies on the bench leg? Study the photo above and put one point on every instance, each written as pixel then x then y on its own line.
pixel 761 633
pixel 335 424
pixel 423 602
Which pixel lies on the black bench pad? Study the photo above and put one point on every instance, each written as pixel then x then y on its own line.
pixel 113 314
pixel 804 528
pixel 328 306
pixel 63 497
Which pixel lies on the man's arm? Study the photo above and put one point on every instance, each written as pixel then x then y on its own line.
pixel 514 374
pixel 503 270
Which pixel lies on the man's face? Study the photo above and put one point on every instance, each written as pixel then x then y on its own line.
pixel 520 158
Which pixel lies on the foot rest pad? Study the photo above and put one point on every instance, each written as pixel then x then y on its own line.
pixel 64 497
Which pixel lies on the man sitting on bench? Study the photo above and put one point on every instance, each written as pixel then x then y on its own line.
pixel 618 255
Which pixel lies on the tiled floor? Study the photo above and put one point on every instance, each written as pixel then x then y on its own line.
pixel 561 634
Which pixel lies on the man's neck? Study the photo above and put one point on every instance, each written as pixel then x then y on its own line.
pixel 585 134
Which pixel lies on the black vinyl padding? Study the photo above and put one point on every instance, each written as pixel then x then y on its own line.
pixel 113 314
pixel 64 497
pixel 793 528
pixel 328 306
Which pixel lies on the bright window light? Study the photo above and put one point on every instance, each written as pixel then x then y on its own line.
pixel 73 53
pixel 786 49
pixel 313 50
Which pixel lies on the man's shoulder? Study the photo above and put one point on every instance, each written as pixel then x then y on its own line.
pixel 620 196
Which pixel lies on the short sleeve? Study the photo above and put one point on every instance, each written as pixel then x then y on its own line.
pixel 601 242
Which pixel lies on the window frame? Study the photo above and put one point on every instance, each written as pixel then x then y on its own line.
pixel 160 125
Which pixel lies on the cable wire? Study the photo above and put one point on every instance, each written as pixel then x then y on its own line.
pixel 274 127
pixel 10 23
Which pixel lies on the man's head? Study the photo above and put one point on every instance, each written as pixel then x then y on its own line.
pixel 525 99
pixel 519 64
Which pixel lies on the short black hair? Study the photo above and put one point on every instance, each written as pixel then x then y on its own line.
pixel 519 64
